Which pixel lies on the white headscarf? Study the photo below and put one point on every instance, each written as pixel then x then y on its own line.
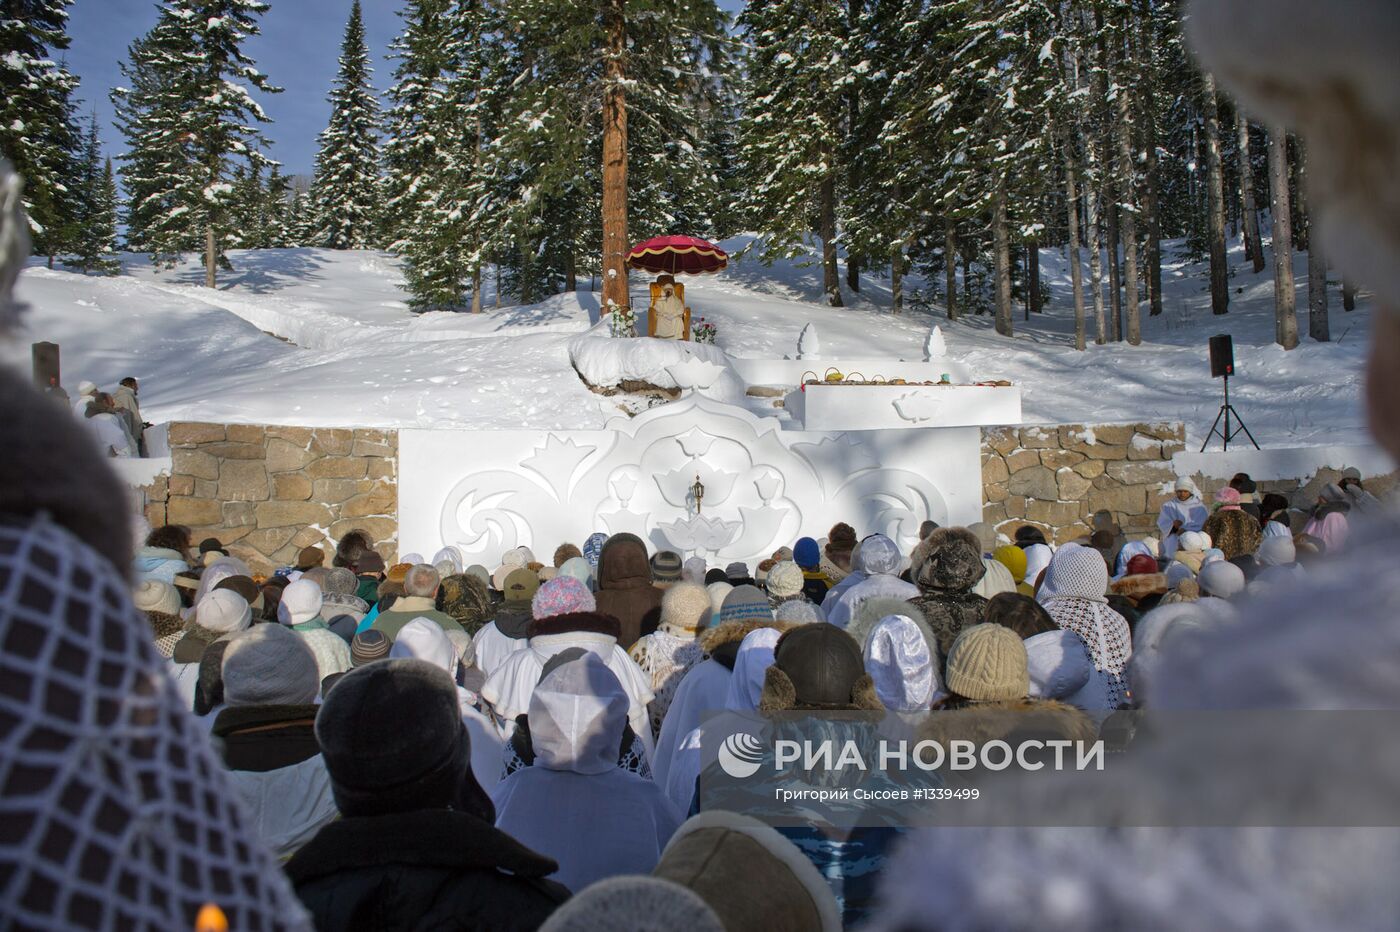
pixel 1075 572
pixel 898 659
pixel 1074 595
pixel 1059 667
pixel 751 663
pixel 452 555
pixel 1037 558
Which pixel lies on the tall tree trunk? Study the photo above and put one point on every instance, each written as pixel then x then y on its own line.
pixel 1215 181
pixel 476 290
pixel 1096 257
pixel 1151 214
pixel 1001 247
pixel 1285 302
pixel 1115 282
pixel 498 285
pixel 1348 295
pixel 831 274
pixel 1317 265
pixel 1250 211
pixel 950 267
pixel 614 207
pixel 1033 275
pixel 211 255
pixel 853 272
pixel 1128 221
pixel 897 280
pixel 1072 247
pixel 570 273
pixel 854 9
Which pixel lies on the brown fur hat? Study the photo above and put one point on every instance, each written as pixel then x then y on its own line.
pixel 1140 586
pixel 564 553
pixel 949 559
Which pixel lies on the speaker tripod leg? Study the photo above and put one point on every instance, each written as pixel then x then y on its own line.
pixel 1215 430
pixel 1242 428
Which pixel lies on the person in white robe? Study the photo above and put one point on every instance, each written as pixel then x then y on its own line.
pixel 670 311
pixel 877 560
pixel 1183 512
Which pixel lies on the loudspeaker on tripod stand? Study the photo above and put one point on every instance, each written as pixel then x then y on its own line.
pixel 1222 356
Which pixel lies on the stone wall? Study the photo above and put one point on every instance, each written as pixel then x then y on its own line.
pixel 1057 477
pixel 267 492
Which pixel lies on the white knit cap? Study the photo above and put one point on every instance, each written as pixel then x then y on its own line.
pixel 223 611
pixel 785 580
pixel 1195 541
pixel 152 595
pixel 799 612
pixel 638 903
pixel 301 602
pixel 1221 579
pixel 87 388
pixel 270 665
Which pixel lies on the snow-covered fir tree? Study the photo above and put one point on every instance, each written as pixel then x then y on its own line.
pixel 189 118
pixel 347 187
pixel 95 228
pixel 39 134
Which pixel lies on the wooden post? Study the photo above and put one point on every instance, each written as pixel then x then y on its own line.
pixel 614 206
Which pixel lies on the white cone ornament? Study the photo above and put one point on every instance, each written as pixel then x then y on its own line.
pixel 808 344
pixel 934 346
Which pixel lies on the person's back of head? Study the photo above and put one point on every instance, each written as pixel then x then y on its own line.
pixel 352 546
pixel 1028 534
pixel 1021 613
pixel 421 581
pixel 170 537
pixel 269 665
pixel 392 738
pixel 926 528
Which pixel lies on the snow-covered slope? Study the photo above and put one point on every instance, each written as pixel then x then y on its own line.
pixel 347 351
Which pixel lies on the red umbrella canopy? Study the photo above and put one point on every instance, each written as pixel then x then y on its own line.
pixel 677 254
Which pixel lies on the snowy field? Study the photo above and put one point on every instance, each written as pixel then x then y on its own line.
pixel 322 338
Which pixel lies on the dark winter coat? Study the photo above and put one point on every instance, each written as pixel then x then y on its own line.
pixel 625 590
pixel 945 567
pixel 1234 532
pixel 432 869
pixel 267 737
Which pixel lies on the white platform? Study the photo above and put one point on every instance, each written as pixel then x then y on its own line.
pixel 489 491
pixel 898 407
pixel 770 371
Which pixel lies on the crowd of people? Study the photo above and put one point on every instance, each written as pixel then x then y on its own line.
pixel 368 711
pixel 113 418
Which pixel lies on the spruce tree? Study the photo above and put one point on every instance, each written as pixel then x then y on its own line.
pixel 38 132
pixel 95 228
pixel 347 186
pixel 189 118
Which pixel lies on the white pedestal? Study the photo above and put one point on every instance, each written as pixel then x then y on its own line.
pixel 885 407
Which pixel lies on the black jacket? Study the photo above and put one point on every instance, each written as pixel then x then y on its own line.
pixel 431 869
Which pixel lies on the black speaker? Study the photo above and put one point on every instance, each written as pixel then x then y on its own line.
pixel 1222 356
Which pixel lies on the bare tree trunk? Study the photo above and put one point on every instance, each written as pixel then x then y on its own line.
pixel 211 255
pixel 1285 302
pixel 614 206
pixel 1253 248
pixel 897 280
pixel 1219 271
pixel 1151 214
pixel 1033 275
pixel 832 275
pixel 1115 299
pixel 1348 295
pixel 853 272
pixel 498 284
pixel 476 290
pixel 1128 222
pixel 570 274
pixel 1001 247
pixel 1096 258
pixel 1317 265
pixel 950 267
pixel 1075 275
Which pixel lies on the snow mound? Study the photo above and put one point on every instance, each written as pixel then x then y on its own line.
pixel 605 362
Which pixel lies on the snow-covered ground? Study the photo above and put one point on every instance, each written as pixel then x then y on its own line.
pixel 347 352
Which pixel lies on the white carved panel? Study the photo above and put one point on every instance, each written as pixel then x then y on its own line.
pixel 488 491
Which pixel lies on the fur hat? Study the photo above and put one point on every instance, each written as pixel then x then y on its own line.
pixel 564 553
pixel 751 875
pixel 270 665
pixel 685 609
pixel 392 738
pixel 745 602
pixel 521 585
pixel 563 595
pixel 301 602
pixel 636 902
pixel 467 600
pixel 807 553
pixel 988 663
pixel 949 559
pixel 152 595
pixel 397 572
pixel 818 668
pixel 310 558
pixel 666 567
pixel 223 611
pixel 369 564
pixel 785 580
pixel 368 646
pixel 840 542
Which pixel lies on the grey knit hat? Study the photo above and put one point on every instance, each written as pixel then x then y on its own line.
pixel 270 665
pixel 636 903
pixel 666 567
pixel 368 646
pixel 746 603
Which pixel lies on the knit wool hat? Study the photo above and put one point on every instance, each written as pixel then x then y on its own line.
pixel 562 595
pixel 270 665
pixel 799 612
pixel 1195 541
pixel 988 663
pixel 368 646
pixel 745 603
pixel 311 557
pixel 737 570
pixel 593 549
pixel 685 608
pixel 1221 579
pixel 636 902
pixel 392 738
pixel 520 585
pixel 341 581
pixel 1141 564
pixel 152 595
pixel 1228 497
pixel 1014 559
pixel 301 602
pixel 785 580
pixel 223 611
pixel 666 567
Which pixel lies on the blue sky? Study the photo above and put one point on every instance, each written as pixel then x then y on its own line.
pixel 298 48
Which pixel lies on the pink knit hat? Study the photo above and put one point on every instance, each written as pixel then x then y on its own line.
pixel 563 595
pixel 1228 498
